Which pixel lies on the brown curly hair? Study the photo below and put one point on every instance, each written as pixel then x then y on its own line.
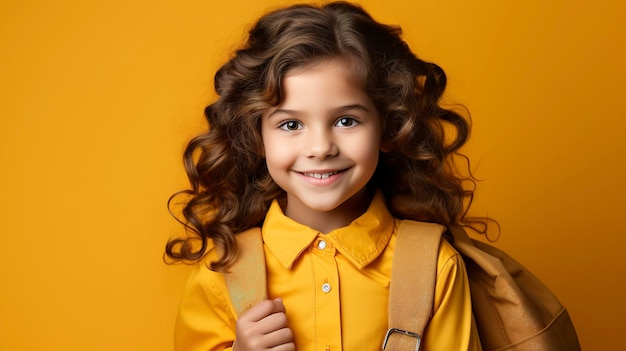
pixel 230 187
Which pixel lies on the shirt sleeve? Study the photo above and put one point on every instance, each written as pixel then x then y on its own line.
pixel 452 327
pixel 205 319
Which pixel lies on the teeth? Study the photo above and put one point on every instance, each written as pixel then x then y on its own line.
pixel 320 175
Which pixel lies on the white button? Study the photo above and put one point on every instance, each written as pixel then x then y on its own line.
pixel 321 245
pixel 326 287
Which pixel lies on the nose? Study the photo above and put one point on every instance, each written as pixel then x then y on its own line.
pixel 321 144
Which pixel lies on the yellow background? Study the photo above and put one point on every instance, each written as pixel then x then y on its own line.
pixel 97 99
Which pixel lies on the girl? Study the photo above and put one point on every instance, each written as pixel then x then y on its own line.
pixel 327 131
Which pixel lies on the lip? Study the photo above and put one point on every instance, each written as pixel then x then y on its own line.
pixel 321 177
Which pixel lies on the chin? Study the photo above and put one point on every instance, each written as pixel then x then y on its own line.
pixel 323 208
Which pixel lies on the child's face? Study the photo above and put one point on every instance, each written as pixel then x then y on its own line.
pixel 321 144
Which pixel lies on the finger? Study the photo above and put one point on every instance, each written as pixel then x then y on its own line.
pixel 266 334
pixel 263 309
pixel 274 321
pixel 279 305
pixel 278 337
pixel 285 347
pixel 264 327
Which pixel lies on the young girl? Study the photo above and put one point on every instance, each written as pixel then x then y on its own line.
pixel 327 131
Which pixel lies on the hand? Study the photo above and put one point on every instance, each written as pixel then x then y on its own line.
pixel 264 327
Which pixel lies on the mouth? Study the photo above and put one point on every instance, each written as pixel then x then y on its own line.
pixel 322 175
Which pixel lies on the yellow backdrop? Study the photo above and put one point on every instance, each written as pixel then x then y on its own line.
pixel 97 99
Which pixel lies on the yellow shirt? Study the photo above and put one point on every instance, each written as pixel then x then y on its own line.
pixel 335 288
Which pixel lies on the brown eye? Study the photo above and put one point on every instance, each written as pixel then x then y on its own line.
pixel 346 122
pixel 290 125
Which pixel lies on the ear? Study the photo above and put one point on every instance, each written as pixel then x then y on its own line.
pixel 385 146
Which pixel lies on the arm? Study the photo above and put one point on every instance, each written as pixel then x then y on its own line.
pixel 452 326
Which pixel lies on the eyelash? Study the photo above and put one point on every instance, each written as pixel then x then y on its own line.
pixel 352 120
pixel 285 125
pixel 288 125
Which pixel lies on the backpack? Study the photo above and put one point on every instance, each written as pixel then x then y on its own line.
pixel 513 309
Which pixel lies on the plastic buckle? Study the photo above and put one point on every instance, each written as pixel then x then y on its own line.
pixel 405 332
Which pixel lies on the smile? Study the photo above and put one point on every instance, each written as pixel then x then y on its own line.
pixel 320 175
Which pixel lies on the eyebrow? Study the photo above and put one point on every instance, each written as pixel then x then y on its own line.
pixel 340 109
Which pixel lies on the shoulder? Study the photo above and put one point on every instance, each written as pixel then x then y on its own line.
pixel 447 251
pixel 451 282
pixel 214 286
pixel 206 285
pixel 449 258
pixel 205 314
pixel 450 265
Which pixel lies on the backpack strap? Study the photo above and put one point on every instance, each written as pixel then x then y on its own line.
pixel 246 278
pixel 412 287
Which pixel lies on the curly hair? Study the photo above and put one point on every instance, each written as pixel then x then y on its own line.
pixel 230 187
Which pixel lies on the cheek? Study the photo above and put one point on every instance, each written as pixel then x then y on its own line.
pixel 367 152
pixel 371 158
pixel 276 154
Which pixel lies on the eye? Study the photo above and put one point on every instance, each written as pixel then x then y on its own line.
pixel 290 125
pixel 346 122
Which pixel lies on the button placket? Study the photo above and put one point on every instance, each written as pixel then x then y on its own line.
pixel 326 285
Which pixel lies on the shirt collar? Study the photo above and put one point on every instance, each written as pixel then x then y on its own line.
pixel 361 242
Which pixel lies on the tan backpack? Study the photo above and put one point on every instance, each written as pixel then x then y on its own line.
pixel 513 309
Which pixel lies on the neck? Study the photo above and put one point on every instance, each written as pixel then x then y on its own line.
pixel 327 221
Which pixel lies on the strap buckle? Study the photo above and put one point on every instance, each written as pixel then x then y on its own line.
pixel 405 332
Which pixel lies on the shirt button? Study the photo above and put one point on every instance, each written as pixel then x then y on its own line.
pixel 321 245
pixel 326 287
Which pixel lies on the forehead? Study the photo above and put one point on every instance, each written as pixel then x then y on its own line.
pixel 321 87
pixel 348 70
pixel 350 67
